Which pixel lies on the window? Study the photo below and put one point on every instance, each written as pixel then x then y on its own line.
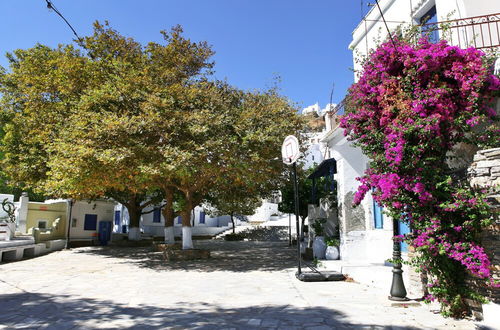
pixel 179 219
pixel 202 217
pixel 90 222
pixel 431 31
pixel 157 215
pixel 117 218
pixel 42 224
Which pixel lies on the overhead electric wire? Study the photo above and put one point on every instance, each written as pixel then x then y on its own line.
pixel 386 27
pixel 51 6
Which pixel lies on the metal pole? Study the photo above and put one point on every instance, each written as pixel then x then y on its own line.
pixel 398 291
pixel 69 223
pixel 296 193
pixel 290 218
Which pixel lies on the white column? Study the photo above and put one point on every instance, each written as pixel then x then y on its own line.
pixel 23 213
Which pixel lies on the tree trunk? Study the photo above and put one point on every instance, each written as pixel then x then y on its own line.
pixel 232 221
pixel 187 234
pixel 169 216
pixel 134 214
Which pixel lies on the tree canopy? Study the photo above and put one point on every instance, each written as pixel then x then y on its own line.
pixel 137 123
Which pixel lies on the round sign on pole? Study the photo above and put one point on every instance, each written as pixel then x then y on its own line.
pixel 290 150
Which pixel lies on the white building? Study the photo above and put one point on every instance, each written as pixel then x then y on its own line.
pixel 153 223
pixel 470 23
pixel 365 231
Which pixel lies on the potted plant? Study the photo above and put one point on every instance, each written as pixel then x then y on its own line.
pixel 332 248
pixel 319 246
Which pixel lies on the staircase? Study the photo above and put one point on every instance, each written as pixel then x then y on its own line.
pixel 6 231
pixel 259 233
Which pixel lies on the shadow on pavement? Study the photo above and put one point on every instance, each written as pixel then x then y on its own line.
pixel 241 256
pixel 43 311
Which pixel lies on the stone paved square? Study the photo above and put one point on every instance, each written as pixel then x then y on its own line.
pixel 244 285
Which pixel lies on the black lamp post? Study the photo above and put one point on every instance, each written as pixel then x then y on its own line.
pixel 398 291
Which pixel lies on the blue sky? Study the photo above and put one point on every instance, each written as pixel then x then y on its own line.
pixel 304 42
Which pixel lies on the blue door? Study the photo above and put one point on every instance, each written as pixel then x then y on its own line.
pixel 104 232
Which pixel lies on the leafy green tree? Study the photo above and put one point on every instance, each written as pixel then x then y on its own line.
pixel 223 137
pixel 136 123
pixel 305 192
pixel 76 121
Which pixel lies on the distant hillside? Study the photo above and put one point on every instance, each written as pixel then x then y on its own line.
pixel 315 123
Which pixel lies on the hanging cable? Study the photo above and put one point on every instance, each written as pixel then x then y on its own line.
pixel 51 6
pixel 386 27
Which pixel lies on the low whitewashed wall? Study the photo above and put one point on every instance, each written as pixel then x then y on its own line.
pixel 196 230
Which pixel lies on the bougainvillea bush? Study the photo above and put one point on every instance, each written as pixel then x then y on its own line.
pixel 412 104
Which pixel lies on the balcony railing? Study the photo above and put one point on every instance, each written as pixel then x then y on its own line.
pixel 481 32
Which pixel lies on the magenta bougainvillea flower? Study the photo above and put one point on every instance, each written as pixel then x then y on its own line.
pixel 413 103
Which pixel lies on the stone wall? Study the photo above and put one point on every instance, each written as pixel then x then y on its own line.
pixel 484 173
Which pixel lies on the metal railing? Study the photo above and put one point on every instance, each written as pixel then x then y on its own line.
pixel 481 32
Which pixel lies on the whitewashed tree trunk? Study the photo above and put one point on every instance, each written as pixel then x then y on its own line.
pixel 169 235
pixel 134 234
pixel 187 238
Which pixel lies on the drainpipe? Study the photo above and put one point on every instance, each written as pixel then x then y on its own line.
pixel 69 223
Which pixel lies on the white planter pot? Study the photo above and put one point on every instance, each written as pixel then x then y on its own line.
pixel 332 253
pixel 12 227
pixel 319 247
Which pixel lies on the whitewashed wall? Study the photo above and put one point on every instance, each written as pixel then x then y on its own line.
pixel 212 225
pixel 370 32
pixel 360 241
pixel 103 210
pixel 264 212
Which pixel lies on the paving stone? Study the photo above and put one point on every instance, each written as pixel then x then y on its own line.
pixel 244 285
pixel 254 322
pixel 270 323
pixel 317 327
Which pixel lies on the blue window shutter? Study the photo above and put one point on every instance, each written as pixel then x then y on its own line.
pixel 202 217
pixel 429 18
pixel 378 216
pixel 157 215
pixel 117 218
pixel 90 222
